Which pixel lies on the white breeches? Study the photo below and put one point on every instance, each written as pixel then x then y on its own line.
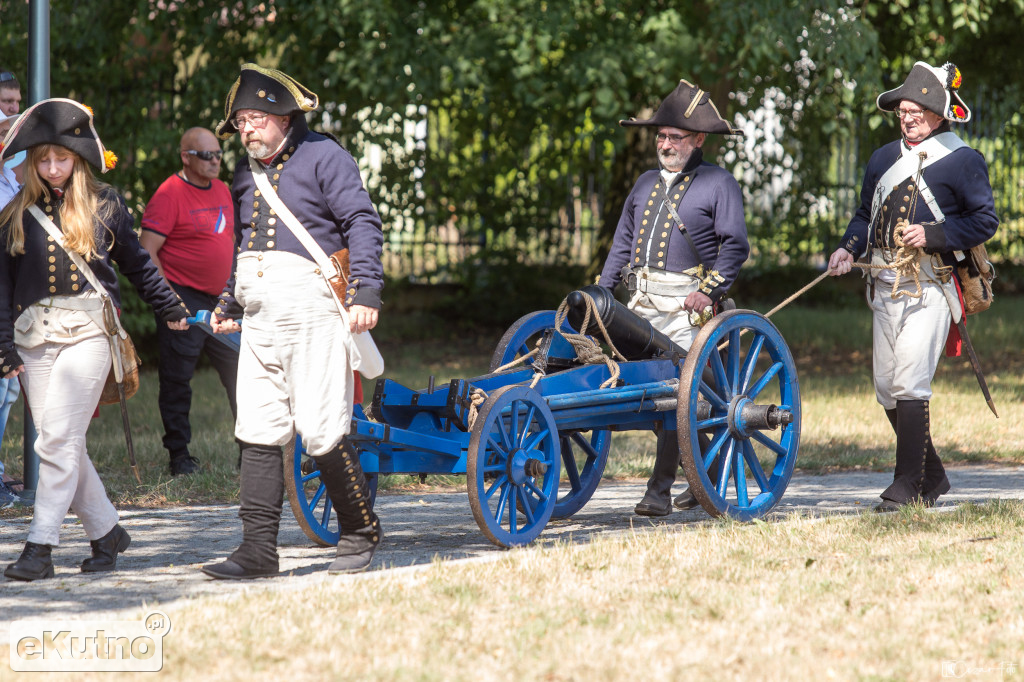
pixel 62 383
pixel 293 366
pixel 909 339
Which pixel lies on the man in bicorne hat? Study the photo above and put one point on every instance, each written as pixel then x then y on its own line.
pixel 294 371
pixel 931 191
pixel 679 244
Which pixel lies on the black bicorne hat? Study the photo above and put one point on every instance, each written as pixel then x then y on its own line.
pixel 688 108
pixel 64 122
pixel 269 90
pixel 934 88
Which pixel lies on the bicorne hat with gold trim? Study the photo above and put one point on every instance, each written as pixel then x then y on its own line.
pixel 63 122
pixel 269 90
pixel 934 88
pixel 688 108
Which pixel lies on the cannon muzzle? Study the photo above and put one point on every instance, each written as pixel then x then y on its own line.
pixel 632 335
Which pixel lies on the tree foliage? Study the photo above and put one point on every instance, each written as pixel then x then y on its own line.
pixel 483 115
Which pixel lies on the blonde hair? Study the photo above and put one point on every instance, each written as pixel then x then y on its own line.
pixel 81 208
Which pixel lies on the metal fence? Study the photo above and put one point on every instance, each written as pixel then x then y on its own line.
pixel 430 253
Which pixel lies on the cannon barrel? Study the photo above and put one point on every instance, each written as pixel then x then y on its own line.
pixel 632 335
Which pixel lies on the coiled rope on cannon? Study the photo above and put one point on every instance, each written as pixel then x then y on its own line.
pixel 588 351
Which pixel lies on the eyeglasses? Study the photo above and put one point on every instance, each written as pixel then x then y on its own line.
pixel 907 113
pixel 674 139
pixel 7 76
pixel 204 155
pixel 255 120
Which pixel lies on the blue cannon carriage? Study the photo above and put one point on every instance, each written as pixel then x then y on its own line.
pixel 533 437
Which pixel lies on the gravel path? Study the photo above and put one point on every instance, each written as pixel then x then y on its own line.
pixel 169 545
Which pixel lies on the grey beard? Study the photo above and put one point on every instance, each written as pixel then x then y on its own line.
pixel 662 158
pixel 258 150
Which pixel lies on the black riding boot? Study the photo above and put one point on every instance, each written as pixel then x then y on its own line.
pixel 106 549
pixel 893 418
pixel 935 481
pixel 343 477
pixel 891 414
pixel 657 501
pixel 33 564
pixel 912 443
pixel 261 497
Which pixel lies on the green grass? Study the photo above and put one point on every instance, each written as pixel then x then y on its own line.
pixel 843 426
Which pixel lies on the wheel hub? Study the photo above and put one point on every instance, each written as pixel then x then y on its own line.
pixel 523 465
pixel 746 417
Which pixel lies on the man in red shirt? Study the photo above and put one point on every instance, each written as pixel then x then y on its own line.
pixel 188 229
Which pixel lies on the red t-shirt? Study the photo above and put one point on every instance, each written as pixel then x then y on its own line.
pixel 199 226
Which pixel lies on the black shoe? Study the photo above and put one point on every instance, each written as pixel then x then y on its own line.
pixel 685 500
pixel 652 506
pixel 183 465
pixel 105 551
pixel 33 564
pixel 229 570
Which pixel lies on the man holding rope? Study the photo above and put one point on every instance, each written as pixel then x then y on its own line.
pixel 926 199
pixel 678 247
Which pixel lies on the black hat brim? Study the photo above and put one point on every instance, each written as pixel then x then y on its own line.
pixel 687 108
pixel 268 90
pixel 58 121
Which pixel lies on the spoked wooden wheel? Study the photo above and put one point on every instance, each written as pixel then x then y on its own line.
pixel 584 453
pixel 739 433
pixel 512 466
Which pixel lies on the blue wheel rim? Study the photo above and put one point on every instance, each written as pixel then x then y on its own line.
pixel 579 479
pixel 513 433
pixel 517 339
pixel 752 466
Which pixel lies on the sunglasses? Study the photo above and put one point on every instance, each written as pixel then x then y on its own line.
pixel 204 155
pixel 7 76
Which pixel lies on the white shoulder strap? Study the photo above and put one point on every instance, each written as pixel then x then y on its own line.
pixel 293 224
pixel 108 321
pixel 300 232
pixel 925 154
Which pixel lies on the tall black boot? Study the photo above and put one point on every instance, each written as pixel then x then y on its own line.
pixel 33 564
pixel 261 497
pixel 893 417
pixel 912 442
pixel 935 481
pixel 657 501
pixel 343 477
